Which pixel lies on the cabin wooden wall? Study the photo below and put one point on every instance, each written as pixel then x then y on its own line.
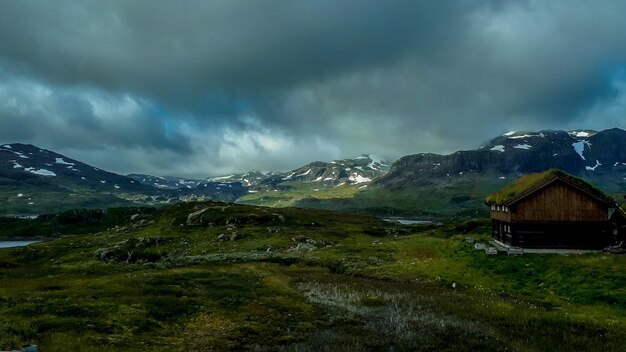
pixel 559 202
pixel 501 215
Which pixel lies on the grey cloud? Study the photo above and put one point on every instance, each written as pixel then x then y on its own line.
pixel 222 86
pixel 86 119
pixel 175 50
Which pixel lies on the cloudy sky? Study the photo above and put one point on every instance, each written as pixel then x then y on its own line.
pixel 202 88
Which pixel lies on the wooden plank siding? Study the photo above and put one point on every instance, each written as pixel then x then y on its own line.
pixel 580 235
pixel 501 215
pixel 557 202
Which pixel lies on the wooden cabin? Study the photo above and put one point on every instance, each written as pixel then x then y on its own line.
pixel 553 209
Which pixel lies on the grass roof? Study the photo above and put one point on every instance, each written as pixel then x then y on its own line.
pixel 530 181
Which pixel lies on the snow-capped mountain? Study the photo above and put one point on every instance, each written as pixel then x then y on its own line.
pixel 597 156
pixel 165 182
pixel 360 170
pixel 36 180
pixel 33 180
pixel 249 179
pixel 187 189
pixel 28 162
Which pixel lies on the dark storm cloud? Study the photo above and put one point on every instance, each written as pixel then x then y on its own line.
pixel 174 50
pixel 81 118
pixel 220 86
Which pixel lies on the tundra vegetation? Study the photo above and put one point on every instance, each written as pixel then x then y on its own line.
pixel 212 276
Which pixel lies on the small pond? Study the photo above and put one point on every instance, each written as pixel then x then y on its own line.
pixel 8 244
pixel 411 222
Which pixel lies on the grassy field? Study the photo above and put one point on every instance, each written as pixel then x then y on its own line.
pixel 243 278
pixel 436 201
pixel 37 199
pixel 290 193
pixel 458 199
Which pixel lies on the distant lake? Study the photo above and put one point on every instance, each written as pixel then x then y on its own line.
pixel 411 222
pixel 8 244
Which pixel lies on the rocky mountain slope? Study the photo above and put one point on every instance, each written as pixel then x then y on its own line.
pixel 316 180
pixel 430 185
pixel 360 170
pixel 35 180
pixel 186 189
pixel 419 185
pixel 599 157
pixel 165 182
pixel 28 163
pixel 249 179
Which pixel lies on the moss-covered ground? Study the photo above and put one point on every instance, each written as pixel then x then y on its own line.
pixel 241 278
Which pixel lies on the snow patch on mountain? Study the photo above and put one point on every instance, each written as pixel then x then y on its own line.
pixel 305 173
pixel 42 172
pixel 63 162
pixel 21 155
pixel 288 177
pixel 528 136
pixel 220 178
pixel 522 146
pixel 356 178
pixel 580 134
pixel 579 147
pixel 498 148
pixel 593 168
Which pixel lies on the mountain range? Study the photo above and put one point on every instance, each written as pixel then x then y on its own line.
pixel 34 180
pixel 596 156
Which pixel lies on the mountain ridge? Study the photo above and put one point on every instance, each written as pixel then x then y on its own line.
pixel 422 183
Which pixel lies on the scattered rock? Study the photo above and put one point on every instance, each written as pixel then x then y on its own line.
pixel 103 254
pixel 491 250
pixel 134 217
pixel 479 246
pixel 196 218
pixel 221 237
pixel 303 247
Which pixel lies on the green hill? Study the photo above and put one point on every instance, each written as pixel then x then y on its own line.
pixel 226 277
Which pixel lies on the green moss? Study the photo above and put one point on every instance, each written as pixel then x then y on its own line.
pixel 370 284
pixel 528 182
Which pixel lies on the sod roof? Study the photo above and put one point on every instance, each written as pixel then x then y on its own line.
pixel 530 183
